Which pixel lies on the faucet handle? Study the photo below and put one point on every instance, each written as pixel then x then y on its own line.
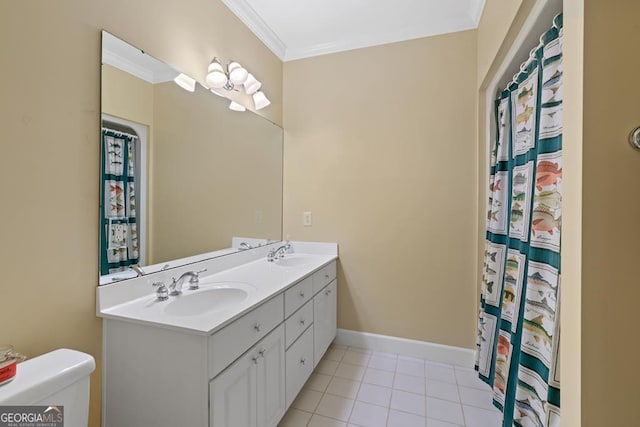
pixel 194 282
pixel 271 255
pixel 162 293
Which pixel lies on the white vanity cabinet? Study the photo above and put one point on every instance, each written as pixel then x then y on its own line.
pixel 324 309
pixel 251 391
pixel 244 373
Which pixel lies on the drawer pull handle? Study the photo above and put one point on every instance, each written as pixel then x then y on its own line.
pixel 302 321
pixel 326 276
pixel 303 361
pixel 257 327
pixel 262 352
pixel 301 294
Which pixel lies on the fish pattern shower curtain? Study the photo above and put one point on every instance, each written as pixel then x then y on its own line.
pixel 119 236
pixel 519 320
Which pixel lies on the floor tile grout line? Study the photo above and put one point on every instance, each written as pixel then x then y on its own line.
pixel 395 374
pixel 355 400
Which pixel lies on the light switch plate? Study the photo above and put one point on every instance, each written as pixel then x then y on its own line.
pixel 307 219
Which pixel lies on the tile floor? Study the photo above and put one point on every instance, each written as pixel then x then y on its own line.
pixel 355 387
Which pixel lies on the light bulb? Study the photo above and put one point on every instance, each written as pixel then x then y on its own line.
pixel 185 82
pixel 237 74
pixel 236 107
pixel 251 85
pixel 216 78
pixel 260 100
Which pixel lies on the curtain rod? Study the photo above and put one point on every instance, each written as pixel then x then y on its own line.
pixel 117 132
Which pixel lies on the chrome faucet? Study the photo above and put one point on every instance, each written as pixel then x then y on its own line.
pixel 194 282
pixel 137 269
pixel 278 253
pixel 244 246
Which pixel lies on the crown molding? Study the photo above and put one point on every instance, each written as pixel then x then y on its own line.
pixel 256 24
pixel 382 39
pixel 127 58
pixel 124 64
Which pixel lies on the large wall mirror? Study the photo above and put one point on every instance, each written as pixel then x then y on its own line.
pixel 181 174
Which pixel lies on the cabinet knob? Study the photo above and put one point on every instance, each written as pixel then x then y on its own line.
pixel 326 276
pixel 303 361
pixel 301 294
pixel 257 327
pixel 327 292
pixel 255 359
pixel 302 321
pixel 262 352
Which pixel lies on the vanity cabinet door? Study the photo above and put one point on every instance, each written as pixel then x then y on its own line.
pixel 271 380
pixel 250 392
pixel 233 394
pixel 299 364
pixel 324 319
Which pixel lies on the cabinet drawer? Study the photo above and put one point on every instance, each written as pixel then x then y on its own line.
pixel 234 339
pixel 323 276
pixel 297 295
pixel 299 365
pixel 297 323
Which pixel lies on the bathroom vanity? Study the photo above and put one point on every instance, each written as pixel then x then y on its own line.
pixel 233 353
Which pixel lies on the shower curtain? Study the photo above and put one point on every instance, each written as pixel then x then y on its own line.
pixel 519 320
pixel 119 236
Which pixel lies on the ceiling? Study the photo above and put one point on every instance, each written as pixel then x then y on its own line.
pixel 295 29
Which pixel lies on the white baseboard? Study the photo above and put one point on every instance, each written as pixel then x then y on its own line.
pixel 425 350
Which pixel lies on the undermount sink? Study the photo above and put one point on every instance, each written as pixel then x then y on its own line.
pixel 215 297
pixel 293 261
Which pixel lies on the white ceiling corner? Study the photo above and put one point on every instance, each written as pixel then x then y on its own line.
pixel 294 29
pixel 476 11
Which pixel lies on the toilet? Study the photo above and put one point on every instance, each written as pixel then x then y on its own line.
pixel 58 378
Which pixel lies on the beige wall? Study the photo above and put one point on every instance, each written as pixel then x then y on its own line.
pixel 572 184
pixel 610 215
pixel 380 146
pixel 50 120
pixel 496 19
pixel 126 96
pixel 213 170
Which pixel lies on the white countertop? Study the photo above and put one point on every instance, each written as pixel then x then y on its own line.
pixel 261 279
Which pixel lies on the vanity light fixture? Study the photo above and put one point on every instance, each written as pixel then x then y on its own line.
pixel 233 79
pixel 185 82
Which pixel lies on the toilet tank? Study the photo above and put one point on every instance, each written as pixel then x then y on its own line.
pixel 58 378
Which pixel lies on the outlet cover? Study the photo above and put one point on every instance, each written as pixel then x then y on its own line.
pixel 307 219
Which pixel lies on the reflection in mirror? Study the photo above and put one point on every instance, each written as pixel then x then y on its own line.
pixel 181 173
